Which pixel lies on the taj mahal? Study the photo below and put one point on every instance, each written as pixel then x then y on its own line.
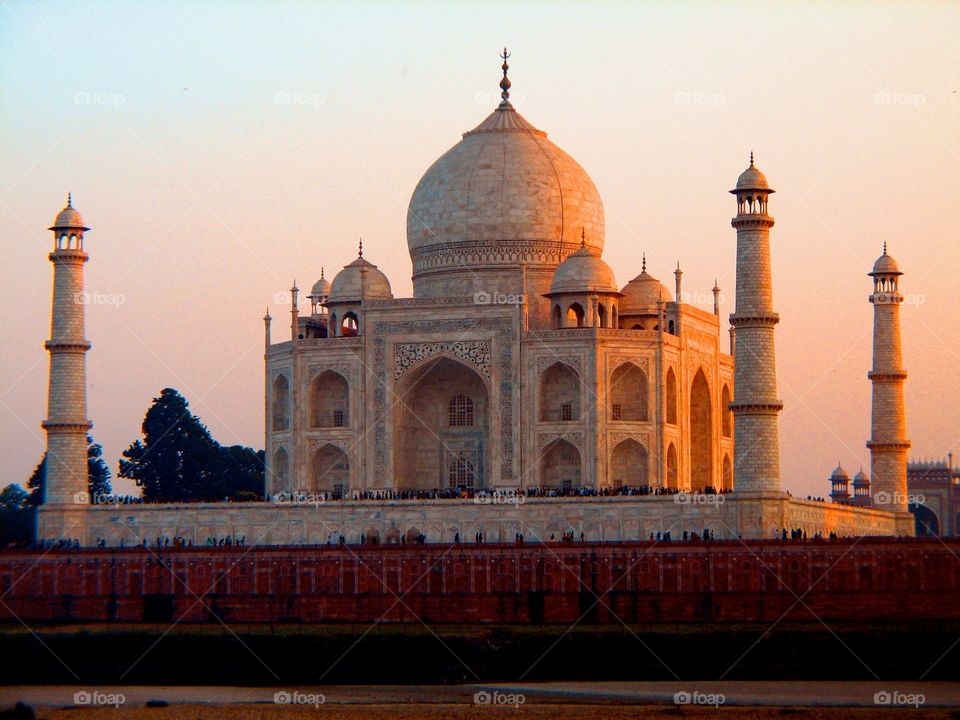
pixel 521 390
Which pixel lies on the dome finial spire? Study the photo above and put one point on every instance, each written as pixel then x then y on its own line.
pixel 884 247
pixel 751 158
pixel 505 82
pixel 583 237
pixel 643 268
pixel 69 199
pixel 360 251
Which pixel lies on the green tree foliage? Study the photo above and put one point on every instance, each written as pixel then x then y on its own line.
pixel 98 474
pixel 177 460
pixel 16 516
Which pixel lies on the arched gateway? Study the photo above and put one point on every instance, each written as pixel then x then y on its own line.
pixel 441 427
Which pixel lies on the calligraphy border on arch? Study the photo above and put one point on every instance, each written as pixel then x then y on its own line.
pixel 408 354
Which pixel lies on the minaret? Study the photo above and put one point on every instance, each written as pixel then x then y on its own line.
pixel 888 443
pixel 294 311
pixel 678 275
pixel 66 424
pixel 756 408
pixel 716 297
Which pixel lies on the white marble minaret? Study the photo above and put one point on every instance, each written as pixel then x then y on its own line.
pixel 888 432
pixel 756 408
pixel 66 424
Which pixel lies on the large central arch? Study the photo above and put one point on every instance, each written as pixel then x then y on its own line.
pixel 701 433
pixel 441 427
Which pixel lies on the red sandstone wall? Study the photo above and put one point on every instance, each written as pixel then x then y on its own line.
pixel 731 581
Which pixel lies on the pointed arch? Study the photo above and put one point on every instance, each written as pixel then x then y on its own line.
pixel 575 315
pixel 559 394
pixel 673 468
pixel 629 465
pixel 281 404
pixel 629 394
pixel 442 419
pixel 727 478
pixel 329 400
pixel 280 470
pixel 349 325
pixel 701 433
pixel 726 415
pixel 671 397
pixel 560 466
pixel 330 471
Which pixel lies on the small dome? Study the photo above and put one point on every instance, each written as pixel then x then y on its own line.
pixel 68 218
pixel 321 288
pixel 839 474
pixel 584 271
pixel 642 292
pixel 752 179
pixel 360 280
pixel 885 265
pixel 861 479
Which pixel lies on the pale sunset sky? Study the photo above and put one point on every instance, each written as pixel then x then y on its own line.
pixel 221 150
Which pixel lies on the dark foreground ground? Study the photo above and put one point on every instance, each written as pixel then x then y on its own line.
pixel 811 701
pixel 415 654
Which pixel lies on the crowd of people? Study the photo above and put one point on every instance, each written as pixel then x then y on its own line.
pixel 464 493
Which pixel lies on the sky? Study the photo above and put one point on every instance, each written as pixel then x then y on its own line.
pixel 221 150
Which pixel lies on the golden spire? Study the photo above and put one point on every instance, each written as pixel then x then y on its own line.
pixel 505 82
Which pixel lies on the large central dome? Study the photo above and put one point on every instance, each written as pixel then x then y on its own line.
pixel 501 198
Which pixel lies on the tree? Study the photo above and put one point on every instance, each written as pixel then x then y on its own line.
pixel 98 474
pixel 241 472
pixel 174 460
pixel 16 516
pixel 179 461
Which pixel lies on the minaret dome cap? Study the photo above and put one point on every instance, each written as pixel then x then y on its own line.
pixel 885 265
pixel 68 218
pixel 839 474
pixel 752 179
